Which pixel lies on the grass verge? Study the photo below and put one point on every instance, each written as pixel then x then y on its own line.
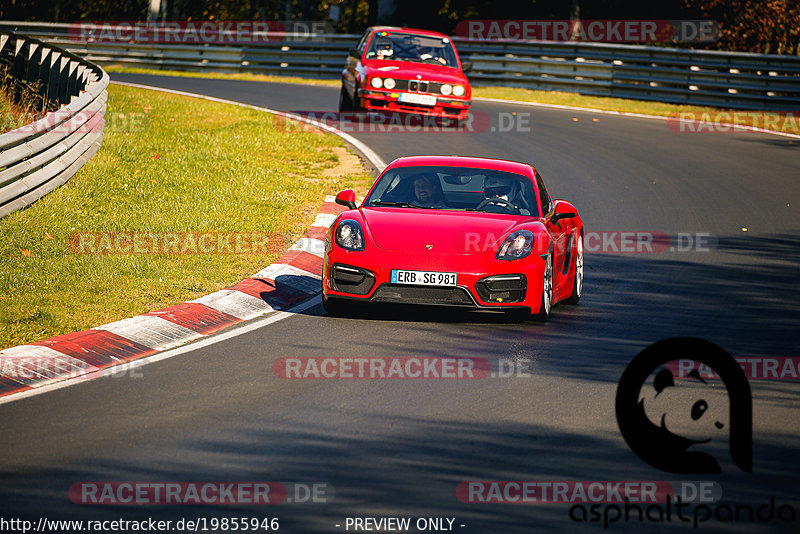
pixel 645 107
pixel 247 76
pixel 169 164
pixel 10 115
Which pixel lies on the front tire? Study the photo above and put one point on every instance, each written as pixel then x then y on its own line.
pixel 356 106
pixel 546 304
pixel 518 316
pixel 345 102
pixel 337 307
pixel 577 282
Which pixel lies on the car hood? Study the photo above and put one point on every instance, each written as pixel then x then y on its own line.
pixel 409 70
pixel 449 232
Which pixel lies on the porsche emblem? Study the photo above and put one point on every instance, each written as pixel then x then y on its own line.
pixel 429 247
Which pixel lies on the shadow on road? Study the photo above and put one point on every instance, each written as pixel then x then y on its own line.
pixel 414 471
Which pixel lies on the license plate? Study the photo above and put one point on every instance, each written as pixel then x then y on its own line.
pixel 424 278
pixel 413 98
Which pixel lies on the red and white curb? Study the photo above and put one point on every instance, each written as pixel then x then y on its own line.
pixel 294 276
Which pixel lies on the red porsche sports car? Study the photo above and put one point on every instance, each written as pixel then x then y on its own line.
pixel 405 70
pixel 455 231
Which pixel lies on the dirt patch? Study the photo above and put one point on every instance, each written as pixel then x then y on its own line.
pixel 348 165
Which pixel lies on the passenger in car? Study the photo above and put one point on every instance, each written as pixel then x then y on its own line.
pixel 428 193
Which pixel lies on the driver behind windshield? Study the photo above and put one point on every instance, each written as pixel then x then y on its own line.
pixel 428 53
pixel 505 193
pixel 428 193
pixel 384 49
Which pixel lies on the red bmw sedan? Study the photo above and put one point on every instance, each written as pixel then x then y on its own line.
pixel 405 70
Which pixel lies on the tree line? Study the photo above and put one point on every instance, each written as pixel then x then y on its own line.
pixel 761 26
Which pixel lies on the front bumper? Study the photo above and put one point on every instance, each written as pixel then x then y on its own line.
pixel 484 283
pixel 380 100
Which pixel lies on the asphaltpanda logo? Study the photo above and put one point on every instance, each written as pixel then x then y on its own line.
pixel 674 423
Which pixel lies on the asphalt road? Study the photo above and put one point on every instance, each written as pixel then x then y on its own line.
pixel 400 448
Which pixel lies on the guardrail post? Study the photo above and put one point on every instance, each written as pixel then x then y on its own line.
pixel 20 67
pixel 32 57
pixel 72 88
pixel 20 62
pixel 63 80
pixel 44 72
pixel 53 76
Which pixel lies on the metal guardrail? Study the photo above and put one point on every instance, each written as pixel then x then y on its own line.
pixel 699 77
pixel 38 157
pixel 714 78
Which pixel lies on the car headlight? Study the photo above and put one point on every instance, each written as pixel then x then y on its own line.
pixel 377 83
pixel 388 83
pixel 458 90
pixel 447 89
pixel 349 235
pixel 516 246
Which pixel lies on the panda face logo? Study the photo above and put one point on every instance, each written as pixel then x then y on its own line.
pixel 693 408
pixel 672 424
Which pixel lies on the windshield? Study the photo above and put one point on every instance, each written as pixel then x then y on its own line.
pixel 410 47
pixel 454 188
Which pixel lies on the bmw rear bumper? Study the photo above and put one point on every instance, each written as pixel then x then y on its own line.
pixel 447 107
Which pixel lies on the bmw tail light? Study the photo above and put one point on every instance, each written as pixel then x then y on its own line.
pixel 518 245
pixel 349 235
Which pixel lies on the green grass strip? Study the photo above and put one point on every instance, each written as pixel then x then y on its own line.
pixel 585 101
pixel 247 76
pixel 169 164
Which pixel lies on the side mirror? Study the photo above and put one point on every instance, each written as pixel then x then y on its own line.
pixel 354 53
pixel 466 66
pixel 347 198
pixel 554 218
pixel 562 211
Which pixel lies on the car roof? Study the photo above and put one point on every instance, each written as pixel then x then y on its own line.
pixel 406 30
pixel 464 161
